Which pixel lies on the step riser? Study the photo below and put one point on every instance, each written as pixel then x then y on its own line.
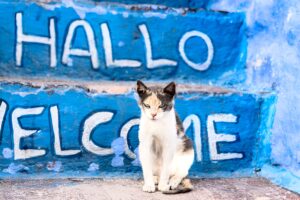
pixel 71 110
pixel 35 42
pixel 169 3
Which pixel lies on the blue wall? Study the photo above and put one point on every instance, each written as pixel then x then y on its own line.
pixel 269 63
pixel 219 58
pixel 194 109
pixel 274 63
pixel 178 3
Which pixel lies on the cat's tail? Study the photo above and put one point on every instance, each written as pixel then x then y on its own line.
pixel 183 187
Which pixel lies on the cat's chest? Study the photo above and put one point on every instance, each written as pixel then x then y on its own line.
pixel 158 127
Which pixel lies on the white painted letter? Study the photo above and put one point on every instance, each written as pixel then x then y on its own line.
pixel 110 62
pixel 55 128
pixel 3 107
pixel 197 133
pixel 90 123
pixel 213 137
pixel 92 52
pixel 210 49
pixel 21 37
pixel 151 63
pixel 124 133
pixel 19 133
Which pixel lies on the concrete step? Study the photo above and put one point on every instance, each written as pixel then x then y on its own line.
pixel 100 41
pixel 125 189
pixel 194 4
pixel 83 128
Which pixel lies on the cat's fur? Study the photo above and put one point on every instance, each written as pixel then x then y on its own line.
pixel 166 153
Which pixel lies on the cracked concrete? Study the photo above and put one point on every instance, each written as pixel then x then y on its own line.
pixel 206 189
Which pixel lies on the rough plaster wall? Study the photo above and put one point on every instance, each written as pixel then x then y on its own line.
pixel 72 11
pixel 273 58
pixel 274 63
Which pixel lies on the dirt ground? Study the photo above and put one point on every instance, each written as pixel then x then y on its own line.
pixel 81 189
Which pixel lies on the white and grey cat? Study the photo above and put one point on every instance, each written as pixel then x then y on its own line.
pixel 166 153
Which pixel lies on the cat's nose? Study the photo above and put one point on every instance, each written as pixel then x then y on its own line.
pixel 153 114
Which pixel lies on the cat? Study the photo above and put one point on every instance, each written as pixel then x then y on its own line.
pixel 166 153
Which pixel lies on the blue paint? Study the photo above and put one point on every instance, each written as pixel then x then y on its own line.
pixel 75 105
pixel 13 169
pixel 198 4
pixel 267 112
pixel 118 146
pixel 136 161
pixel 281 176
pixel 93 167
pixel 273 64
pixel 55 166
pixel 228 61
pixel 169 3
pixel 7 153
pixel 273 32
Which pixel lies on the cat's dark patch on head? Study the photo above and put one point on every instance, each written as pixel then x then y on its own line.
pixel 142 90
pixel 165 95
pixel 187 143
pixel 166 101
pixel 170 89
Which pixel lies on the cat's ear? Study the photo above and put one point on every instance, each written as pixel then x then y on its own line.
pixel 141 88
pixel 170 89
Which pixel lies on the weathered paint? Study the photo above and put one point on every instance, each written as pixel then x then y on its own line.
pixel 273 64
pixel 272 26
pixel 267 112
pixel 59 120
pixel 169 3
pixel 42 40
pixel 282 177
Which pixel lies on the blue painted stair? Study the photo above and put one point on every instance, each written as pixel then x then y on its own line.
pixel 67 78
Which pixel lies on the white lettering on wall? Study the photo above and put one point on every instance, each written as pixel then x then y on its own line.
pixel 214 138
pixel 3 107
pixel 92 52
pixel 19 133
pixel 98 118
pixel 210 48
pixel 21 37
pixel 197 133
pixel 124 133
pixel 110 61
pixel 55 127
pixel 151 63
pixel 90 123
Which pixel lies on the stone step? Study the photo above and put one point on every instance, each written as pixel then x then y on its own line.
pixel 88 127
pixel 193 4
pixel 204 189
pixel 96 41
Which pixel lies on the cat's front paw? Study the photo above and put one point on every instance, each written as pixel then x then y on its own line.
pixel 156 180
pixel 174 182
pixel 163 187
pixel 149 188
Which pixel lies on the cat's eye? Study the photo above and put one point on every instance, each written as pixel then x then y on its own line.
pixel 146 105
pixel 162 106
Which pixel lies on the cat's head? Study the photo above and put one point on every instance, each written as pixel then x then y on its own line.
pixel 155 102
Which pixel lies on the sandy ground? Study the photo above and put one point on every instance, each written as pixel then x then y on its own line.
pixel 81 189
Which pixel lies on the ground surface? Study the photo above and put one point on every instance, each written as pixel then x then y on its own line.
pixel 207 189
